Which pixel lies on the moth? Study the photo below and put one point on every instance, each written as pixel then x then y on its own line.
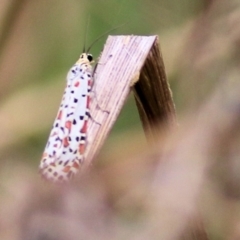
pixel 64 152
pixel 65 148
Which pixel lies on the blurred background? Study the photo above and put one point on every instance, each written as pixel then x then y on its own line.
pixel 40 41
pixel 199 40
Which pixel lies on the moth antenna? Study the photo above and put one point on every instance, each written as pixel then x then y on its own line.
pixel 102 35
pixel 86 33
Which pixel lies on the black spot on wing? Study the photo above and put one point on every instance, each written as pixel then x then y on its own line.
pixel 88 114
pixel 69 114
pixel 83 138
pixel 57 139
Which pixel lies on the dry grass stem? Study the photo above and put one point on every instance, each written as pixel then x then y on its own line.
pixel 122 62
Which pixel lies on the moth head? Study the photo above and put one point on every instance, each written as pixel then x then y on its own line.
pixel 86 57
pixel 89 57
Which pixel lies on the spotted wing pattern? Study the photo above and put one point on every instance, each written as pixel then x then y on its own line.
pixel 64 152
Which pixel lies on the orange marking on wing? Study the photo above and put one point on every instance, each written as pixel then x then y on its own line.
pixel 59 115
pixel 68 125
pixel 66 169
pixel 81 148
pixel 84 128
pixel 77 84
pixel 90 83
pixel 88 101
pixel 65 142
pixel 76 165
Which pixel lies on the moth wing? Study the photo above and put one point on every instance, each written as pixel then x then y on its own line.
pixel 62 156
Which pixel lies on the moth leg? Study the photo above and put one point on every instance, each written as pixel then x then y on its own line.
pixel 95 121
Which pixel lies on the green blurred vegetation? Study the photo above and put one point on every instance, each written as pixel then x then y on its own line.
pixel 199 40
pixel 41 40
